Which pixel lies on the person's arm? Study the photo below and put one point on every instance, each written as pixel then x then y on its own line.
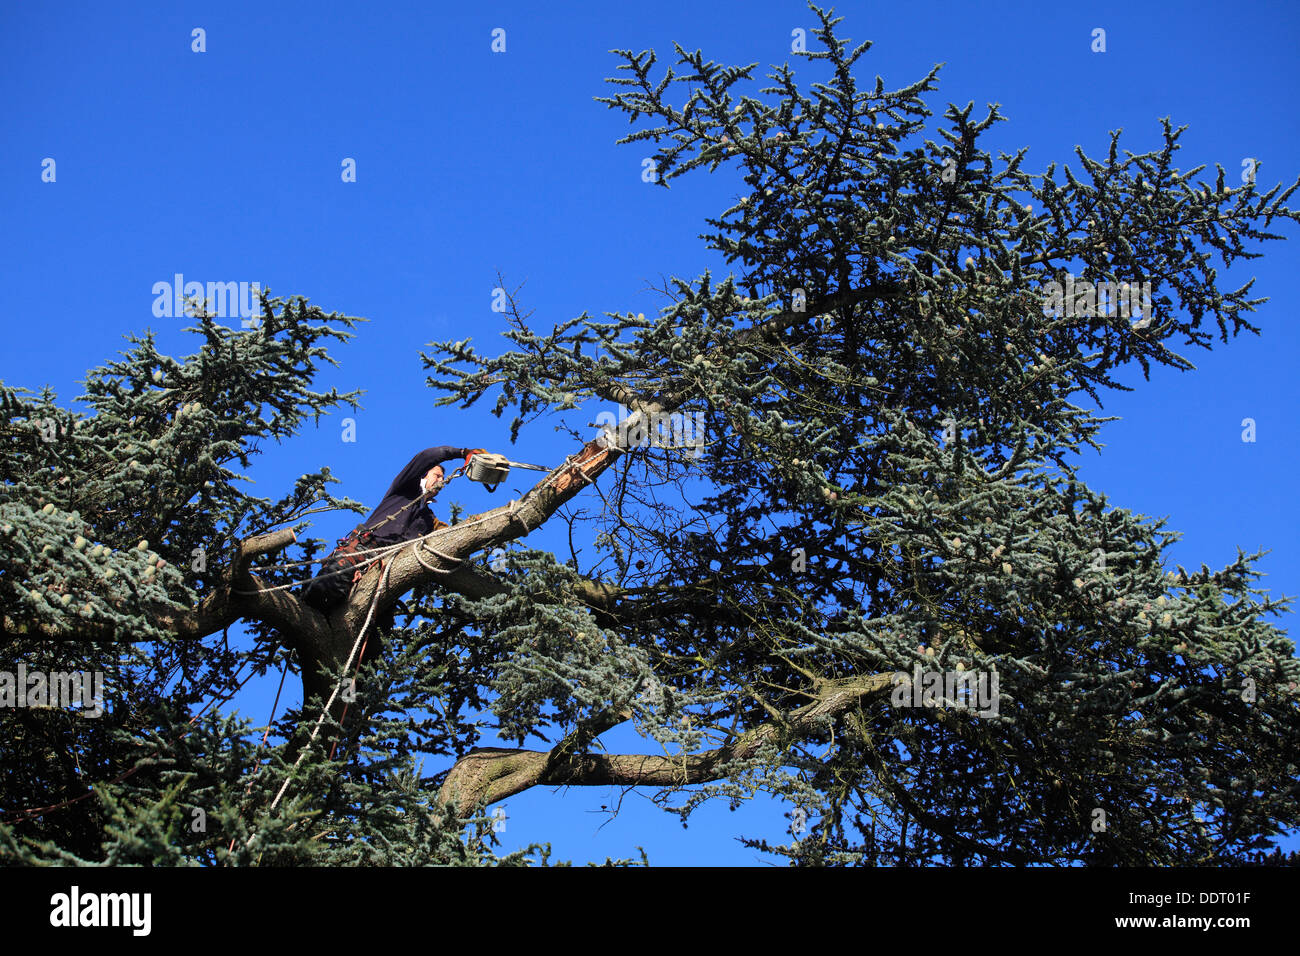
pixel 407 481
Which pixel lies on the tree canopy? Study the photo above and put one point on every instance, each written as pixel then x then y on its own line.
pixel 883 482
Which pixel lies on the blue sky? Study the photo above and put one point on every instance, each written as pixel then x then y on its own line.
pixel 225 166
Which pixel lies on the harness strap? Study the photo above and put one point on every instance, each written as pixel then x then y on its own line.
pixel 347 550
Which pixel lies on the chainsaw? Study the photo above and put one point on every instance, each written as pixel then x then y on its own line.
pixel 490 469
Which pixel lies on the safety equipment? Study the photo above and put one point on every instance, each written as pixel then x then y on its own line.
pixel 346 565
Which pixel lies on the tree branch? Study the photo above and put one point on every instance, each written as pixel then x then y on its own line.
pixel 491 774
pixel 239 594
pixel 773 325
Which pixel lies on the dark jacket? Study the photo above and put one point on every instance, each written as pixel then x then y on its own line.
pixel 416 521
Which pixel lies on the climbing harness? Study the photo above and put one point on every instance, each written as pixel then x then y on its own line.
pixel 346 556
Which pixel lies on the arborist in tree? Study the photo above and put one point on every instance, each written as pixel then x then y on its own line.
pixel 403 515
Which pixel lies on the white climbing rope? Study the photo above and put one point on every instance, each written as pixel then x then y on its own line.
pixel 421 543
pixel 374 601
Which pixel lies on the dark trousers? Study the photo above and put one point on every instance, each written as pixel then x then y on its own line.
pixel 333 582
pixel 331 585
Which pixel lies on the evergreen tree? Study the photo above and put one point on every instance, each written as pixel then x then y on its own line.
pixel 887 485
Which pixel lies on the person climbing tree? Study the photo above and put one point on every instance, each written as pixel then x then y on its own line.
pixel 402 515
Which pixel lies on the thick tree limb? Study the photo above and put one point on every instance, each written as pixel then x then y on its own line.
pixel 241 594
pixel 490 774
pixel 442 557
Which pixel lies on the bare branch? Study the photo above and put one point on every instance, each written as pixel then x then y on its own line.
pixel 491 774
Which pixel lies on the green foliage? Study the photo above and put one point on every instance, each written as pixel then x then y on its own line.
pixel 893 398
pixel 887 482
pixel 109 517
pixel 103 517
